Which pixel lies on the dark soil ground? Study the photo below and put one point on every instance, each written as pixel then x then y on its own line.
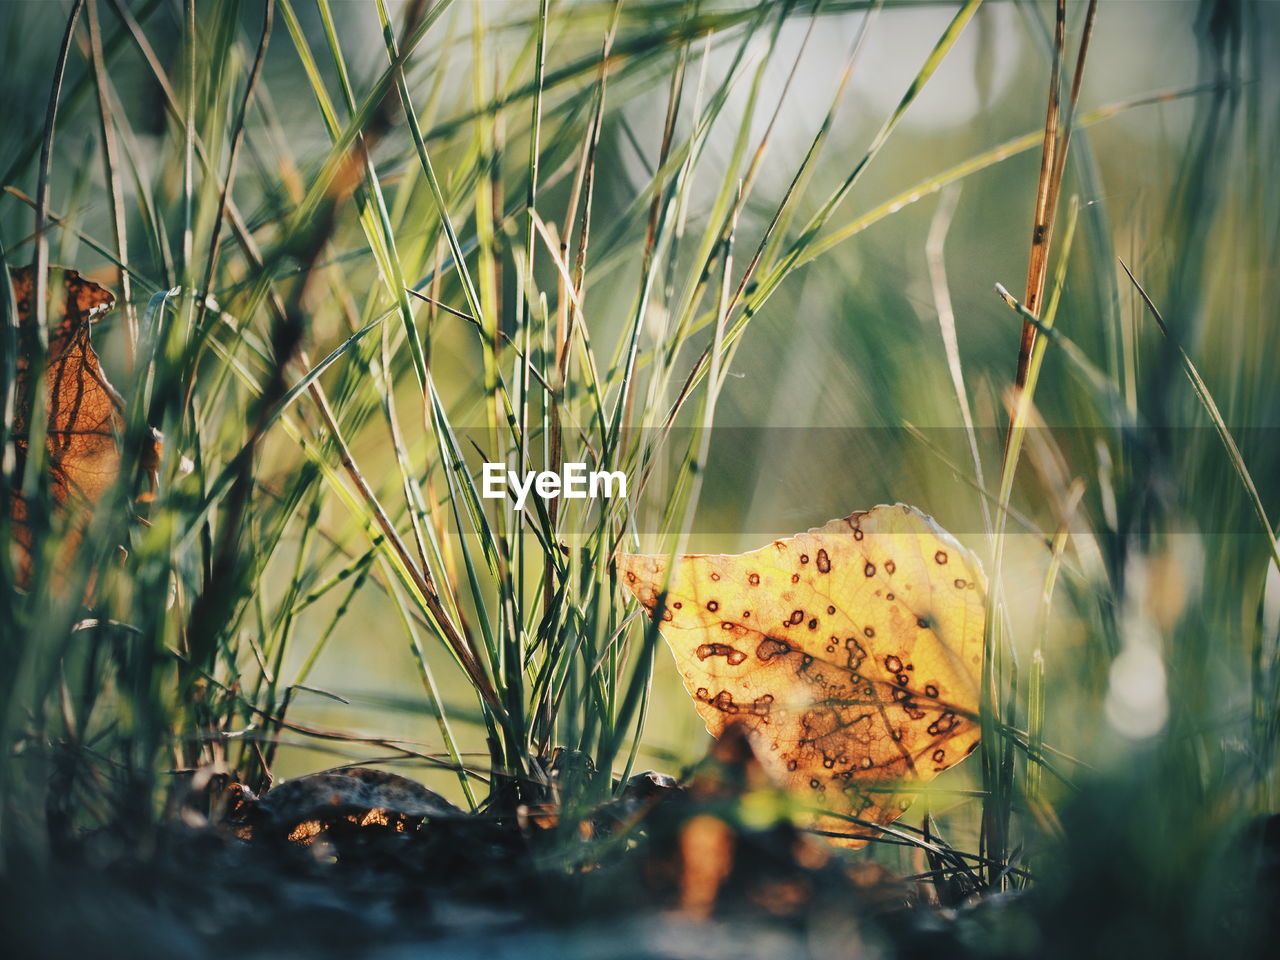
pixel 482 889
pixel 360 863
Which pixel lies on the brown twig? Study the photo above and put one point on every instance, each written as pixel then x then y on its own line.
pixel 1053 158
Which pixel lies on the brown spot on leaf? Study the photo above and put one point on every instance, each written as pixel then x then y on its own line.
pixel 731 654
pixel 771 647
pixel 944 724
pixel 723 701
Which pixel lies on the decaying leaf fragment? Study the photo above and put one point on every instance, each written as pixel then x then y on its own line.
pixel 307 807
pixel 84 410
pixel 851 654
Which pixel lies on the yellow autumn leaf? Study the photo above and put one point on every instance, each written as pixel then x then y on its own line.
pixel 851 654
